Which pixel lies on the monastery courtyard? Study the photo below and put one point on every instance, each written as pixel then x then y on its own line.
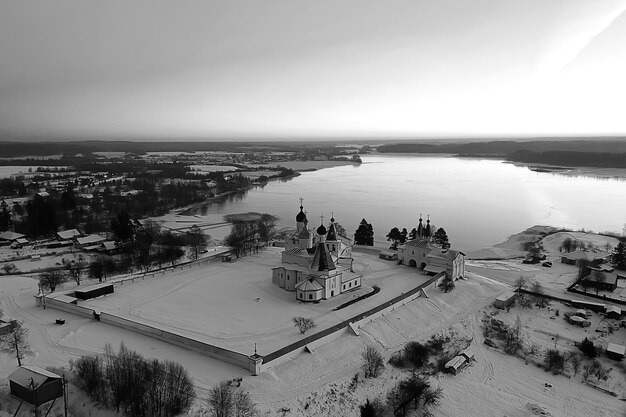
pixel 235 305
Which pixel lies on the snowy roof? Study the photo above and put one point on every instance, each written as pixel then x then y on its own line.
pixel 90 239
pixel 68 234
pixel 309 285
pixel 455 362
pixel 576 319
pixel 613 309
pixel 435 269
pixel 506 296
pixel 109 245
pixel 10 235
pixel 615 348
pixel 349 276
pixel 422 243
pixel 23 375
pixel 468 353
pixel 448 255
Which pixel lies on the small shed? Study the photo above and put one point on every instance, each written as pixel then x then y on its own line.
pixel 388 255
pixel 7 325
pixel 34 385
pixel 615 351
pixel 94 291
pixel 613 312
pixel 455 364
pixel 504 300
pixel 581 313
pixel 468 353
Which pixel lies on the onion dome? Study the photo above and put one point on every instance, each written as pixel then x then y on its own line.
pixel 321 230
pixel 301 217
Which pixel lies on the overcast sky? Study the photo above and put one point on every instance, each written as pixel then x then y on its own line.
pixel 83 69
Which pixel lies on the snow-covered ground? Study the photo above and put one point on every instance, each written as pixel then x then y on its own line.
pixel 235 305
pixel 316 384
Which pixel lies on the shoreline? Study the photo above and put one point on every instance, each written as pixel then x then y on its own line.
pixel 188 210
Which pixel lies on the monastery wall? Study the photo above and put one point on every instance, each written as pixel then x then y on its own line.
pixel 204 348
pixel 70 308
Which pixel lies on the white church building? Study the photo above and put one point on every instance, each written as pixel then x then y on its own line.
pixel 316 266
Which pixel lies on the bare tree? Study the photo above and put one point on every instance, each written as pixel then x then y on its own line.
pixel 75 269
pixel 244 406
pixel 52 279
pixel 600 279
pixel 227 401
pixel 197 242
pixel 520 283
pixel 538 297
pixel 15 341
pixel 575 360
pixel 373 363
pixel 304 324
pixel 601 373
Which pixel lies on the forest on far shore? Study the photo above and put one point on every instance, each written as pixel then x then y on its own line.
pixel 602 152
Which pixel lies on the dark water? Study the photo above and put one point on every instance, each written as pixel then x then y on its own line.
pixel 478 202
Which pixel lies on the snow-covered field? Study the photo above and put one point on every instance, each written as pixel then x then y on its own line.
pixel 236 305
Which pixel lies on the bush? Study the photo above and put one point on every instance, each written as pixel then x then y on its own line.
pixel 555 360
pixel 373 363
pixel 416 354
pixel 304 324
pixel 587 347
pixel 446 284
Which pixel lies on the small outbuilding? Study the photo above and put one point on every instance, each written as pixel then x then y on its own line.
pixel 34 385
pixel 615 351
pixel 11 237
pixel 505 300
pixel 94 291
pixel 613 312
pixel 468 353
pixel 388 255
pixel 455 364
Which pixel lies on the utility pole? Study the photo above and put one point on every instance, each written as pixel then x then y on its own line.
pixel 65 383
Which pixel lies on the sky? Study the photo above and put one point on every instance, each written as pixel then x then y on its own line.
pixel 288 69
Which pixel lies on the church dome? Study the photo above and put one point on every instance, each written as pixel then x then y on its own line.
pixel 301 217
pixel 321 230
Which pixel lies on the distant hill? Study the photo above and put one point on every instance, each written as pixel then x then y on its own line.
pixel 504 148
pixel 20 149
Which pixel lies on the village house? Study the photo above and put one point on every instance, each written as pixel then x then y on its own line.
pixel 575 257
pixel 89 242
pixel 316 267
pixel 600 280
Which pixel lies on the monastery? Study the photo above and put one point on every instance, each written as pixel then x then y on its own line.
pixel 317 266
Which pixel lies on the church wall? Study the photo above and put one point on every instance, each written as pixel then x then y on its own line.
pixel 290 280
pixel 351 285
pixel 278 277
